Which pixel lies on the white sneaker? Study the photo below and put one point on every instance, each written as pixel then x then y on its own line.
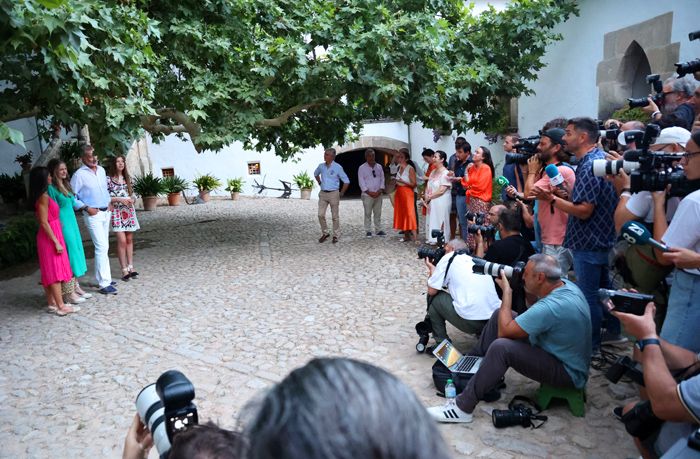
pixel 450 413
pixel 86 295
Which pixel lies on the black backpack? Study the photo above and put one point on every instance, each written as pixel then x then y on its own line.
pixel 441 374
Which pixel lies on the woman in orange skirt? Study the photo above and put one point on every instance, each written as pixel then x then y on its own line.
pixel 404 201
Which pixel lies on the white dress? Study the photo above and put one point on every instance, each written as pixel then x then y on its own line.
pixel 438 215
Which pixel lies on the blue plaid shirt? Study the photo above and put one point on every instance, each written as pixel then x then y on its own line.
pixel 597 233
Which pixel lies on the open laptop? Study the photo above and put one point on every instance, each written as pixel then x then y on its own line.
pixel 455 361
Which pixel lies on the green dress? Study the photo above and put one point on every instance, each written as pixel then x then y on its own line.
pixel 71 232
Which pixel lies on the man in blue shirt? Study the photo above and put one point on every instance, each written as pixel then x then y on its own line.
pixel 328 175
pixel 549 343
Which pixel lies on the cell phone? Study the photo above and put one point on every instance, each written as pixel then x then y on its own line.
pixel 631 303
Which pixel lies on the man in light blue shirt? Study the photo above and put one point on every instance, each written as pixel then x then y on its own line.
pixel 89 184
pixel 328 175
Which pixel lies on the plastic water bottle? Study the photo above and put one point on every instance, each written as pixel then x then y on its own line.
pixel 450 392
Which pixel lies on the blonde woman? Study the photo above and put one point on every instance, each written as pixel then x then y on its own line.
pixel 124 221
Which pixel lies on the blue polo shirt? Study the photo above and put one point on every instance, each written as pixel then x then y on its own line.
pixel 597 233
pixel 331 176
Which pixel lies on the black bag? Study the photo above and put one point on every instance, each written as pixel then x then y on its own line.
pixel 441 374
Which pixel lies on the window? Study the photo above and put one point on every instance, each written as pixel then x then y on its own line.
pixel 168 172
pixel 254 168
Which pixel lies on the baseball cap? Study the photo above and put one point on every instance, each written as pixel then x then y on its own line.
pixel 555 134
pixel 672 135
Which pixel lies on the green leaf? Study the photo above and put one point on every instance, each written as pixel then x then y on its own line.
pixel 11 135
pixel 51 4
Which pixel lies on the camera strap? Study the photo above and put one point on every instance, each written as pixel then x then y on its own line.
pixel 536 410
pixel 449 263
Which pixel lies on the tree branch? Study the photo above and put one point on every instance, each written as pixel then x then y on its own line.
pixel 19 115
pixel 284 117
pixel 185 124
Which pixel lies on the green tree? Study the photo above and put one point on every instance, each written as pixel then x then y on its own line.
pixel 279 74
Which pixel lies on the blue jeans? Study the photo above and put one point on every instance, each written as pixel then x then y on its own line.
pixel 683 314
pixel 592 273
pixel 461 205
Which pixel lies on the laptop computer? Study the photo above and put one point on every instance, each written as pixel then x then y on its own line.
pixel 455 361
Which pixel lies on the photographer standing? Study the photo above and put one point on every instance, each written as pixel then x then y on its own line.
pixel 677 105
pixel 457 295
pixel 677 404
pixel 549 343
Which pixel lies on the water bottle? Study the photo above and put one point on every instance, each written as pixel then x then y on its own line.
pixel 450 392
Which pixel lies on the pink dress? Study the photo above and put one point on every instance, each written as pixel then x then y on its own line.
pixel 54 267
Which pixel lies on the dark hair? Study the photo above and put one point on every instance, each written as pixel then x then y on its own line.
pixel 38 183
pixel 443 157
pixel 338 408
pixel 488 160
pixel 514 137
pixel 207 441
pixel 555 123
pixel 587 125
pixel 428 152
pixel 510 219
pixel 112 172
pixel 465 146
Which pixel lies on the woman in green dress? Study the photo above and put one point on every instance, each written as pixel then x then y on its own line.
pixel 60 191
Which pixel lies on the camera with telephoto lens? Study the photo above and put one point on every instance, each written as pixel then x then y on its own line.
pixel 657 87
pixel 625 366
pixel 487 231
pixel 603 167
pixel 517 415
pixel 433 253
pixel 514 273
pixel 423 329
pixel 479 218
pixel 684 68
pixel 166 408
pixel 525 148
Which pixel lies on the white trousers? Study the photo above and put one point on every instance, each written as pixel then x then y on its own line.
pixel 98 226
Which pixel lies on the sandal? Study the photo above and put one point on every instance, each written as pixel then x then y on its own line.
pixel 132 273
pixel 66 311
pixel 52 309
pixel 125 274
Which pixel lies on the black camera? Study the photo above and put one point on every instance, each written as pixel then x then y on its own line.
pixel 487 231
pixel 166 408
pixel 640 421
pixel 423 329
pixel 433 253
pixel 625 366
pixel 479 218
pixel 628 302
pixel 684 68
pixel 657 87
pixel 518 415
pixel 514 273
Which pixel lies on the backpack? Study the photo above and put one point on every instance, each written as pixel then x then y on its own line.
pixel 441 374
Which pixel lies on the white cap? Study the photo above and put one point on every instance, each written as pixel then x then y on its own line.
pixel 673 135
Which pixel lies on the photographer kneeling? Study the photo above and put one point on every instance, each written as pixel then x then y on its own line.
pixel 677 404
pixel 549 343
pixel 457 295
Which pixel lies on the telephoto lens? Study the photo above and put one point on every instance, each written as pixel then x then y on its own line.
pixel 518 416
pixel 603 167
pixel 423 329
pixel 151 411
pixel 482 266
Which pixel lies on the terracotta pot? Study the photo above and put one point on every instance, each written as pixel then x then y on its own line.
pixel 174 199
pixel 235 195
pixel 150 202
pixel 305 193
pixel 204 195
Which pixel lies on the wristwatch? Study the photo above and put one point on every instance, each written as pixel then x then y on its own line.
pixel 642 343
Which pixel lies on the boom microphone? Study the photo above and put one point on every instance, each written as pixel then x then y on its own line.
pixel 635 233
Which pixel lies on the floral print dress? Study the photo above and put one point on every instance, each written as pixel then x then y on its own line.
pixel 123 215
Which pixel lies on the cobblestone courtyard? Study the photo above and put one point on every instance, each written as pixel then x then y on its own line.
pixel 236 295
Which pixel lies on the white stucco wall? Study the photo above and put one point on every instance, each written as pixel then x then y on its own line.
pixel 567 86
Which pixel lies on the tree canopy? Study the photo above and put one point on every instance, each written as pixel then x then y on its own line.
pixel 274 74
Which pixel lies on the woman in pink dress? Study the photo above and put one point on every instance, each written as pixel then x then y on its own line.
pixel 50 246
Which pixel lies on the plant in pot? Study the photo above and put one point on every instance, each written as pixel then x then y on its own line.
pixel 205 184
pixel 173 186
pixel 149 187
pixel 25 161
pixel 305 184
pixel 235 186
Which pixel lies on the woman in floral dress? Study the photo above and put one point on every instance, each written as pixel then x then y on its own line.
pixel 124 221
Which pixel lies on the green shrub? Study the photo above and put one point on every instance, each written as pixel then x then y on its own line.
pixel 303 181
pixel 148 185
pixel 235 185
pixel 207 182
pixel 18 240
pixel 174 184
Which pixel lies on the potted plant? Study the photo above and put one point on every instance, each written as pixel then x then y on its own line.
pixel 305 184
pixel 235 186
pixel 205 184
pixel 173 186
pixel 149 187
pixel 25 161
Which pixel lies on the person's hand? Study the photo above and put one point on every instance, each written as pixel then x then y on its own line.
pixel 620 181
pixel 511 191
pixel 138 441
pixel 91 211
pixel 533 164
pixel 127 201
pixel 431 267
pixel 612 155
pixel 658 197
pixel 651 108
pixel 503 282
pixel 560 193
pixel 58 247
pixel 682 258
pixel 541 194
pixel 641 327
pixel 478 238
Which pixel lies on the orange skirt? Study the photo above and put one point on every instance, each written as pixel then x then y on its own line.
pixel 404 209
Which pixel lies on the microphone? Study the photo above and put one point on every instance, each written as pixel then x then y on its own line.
pixel 501 180
pixel 635 233
pixel 555 177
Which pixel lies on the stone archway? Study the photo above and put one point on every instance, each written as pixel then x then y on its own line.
pixel 352 155
pixel 631 53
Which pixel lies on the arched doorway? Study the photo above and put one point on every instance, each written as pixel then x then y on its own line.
pixel 634 69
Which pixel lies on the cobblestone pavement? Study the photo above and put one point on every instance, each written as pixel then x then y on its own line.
pixel 236 295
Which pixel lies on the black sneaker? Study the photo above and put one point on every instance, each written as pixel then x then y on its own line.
pixel 369 234
pixel 381 233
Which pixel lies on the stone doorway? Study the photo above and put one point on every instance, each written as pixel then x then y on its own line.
pixel 353 159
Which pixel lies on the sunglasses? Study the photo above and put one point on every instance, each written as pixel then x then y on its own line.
pixel 374 173
pixel 689 154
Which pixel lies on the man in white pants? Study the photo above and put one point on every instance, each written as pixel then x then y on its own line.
pixel 371 178
pixel 89 184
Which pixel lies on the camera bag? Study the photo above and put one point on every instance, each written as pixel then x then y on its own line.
pixel 441 374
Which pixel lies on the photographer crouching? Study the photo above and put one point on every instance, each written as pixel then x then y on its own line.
pixel 549 343
pixel 456 294
pixel 675 407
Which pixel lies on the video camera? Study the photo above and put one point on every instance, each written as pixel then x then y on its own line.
pixel 657 87
pixel 166 408
pixel 433 253
pixel 627 302
pixel 514 273
pixel 525 148
pixel 684 68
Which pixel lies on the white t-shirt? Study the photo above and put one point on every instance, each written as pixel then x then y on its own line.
pixel 642 205
pixel 473 295
pixel 684 230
